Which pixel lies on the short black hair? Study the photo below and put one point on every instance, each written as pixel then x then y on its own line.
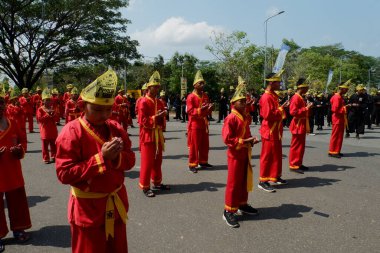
pixel 300 81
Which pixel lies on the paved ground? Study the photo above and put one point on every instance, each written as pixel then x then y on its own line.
pixel 332 208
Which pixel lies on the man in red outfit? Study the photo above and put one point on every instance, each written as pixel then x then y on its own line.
pixel 152 144
pixel 198 108
pixel 122 106
pixel 46 117
pixel 143 93
pixel 299 127
pixel 27 106
pixel 339 120
pixel 12 144
pixel 271 134
pixel 237 136
pixel 92 154
pixel 37 99
pixel 72 107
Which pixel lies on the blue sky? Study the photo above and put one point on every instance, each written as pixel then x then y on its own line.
pixel 165 26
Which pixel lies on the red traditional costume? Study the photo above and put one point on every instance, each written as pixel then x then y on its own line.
pixel 122 106
pixel 299 127
pixel 16 114
pixel 339 123
pixel 37 101
pixel 151 142
pixel 12 182
pixel 72 110
pixel 48 132
pixel 98 204
pixel 271 135
pixel 56 104
pixel 27 106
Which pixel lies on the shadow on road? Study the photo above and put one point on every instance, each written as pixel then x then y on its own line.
pixel 360 154
pixel 34 151
pixel 53 236
pixel 171 138
pixel 190 188
pixel 219 148
pixel 132 174
pixel 288 146
pixel 33 200
pixel 175 156
pixel 309 182
pixel 215 168
pixel 329 167
pixel 283 212
pixel 175 131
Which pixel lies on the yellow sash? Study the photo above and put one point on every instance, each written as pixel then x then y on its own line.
pixel 276 123
pixel 200 109
pixel 157 130
pixel 249 147
pixel 113 200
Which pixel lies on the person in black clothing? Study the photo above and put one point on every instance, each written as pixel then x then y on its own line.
pixel 319 111
pixel 310 99
pixel 368 115
pixel 376 104
pixel 357 111
pixel 328 107
pixel 177 106
pixel 183 106
pixel 223 106
pixel 287 97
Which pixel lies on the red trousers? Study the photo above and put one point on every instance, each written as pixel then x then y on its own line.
pixel 198 144
pixel 45 149
pixel 150 165
pixel 29 118
pixel 236 189
pixel 93 239
pixel 336 139
pixel 297 150
pixel 270 160
pixel 18 211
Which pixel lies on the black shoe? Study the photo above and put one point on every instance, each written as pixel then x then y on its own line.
pixel 341 154
pixel 230 219
pixel 347 135
pixel 334 155
pixel 149 193
pixel 247 209
pixel 281 181
pixel 265 186
pixel 193 169
pixel 206 165
pixel 303 167
pixel 2 247
pixel 299 171
pixel 357 136
pixel 218 121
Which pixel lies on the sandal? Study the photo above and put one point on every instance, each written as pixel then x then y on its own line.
pixel 21 236
pixel 2 247
pixel 149 193
pixel 161 187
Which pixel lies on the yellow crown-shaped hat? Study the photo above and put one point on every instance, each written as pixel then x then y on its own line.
pixel 102 90
pixel 2 91
pixel 24 90
pixel 198 77
pixel 12 93
pixel 144 87
pixel 46 94
pixel 345 85
pixel 162 93
pixel 54 91
pixel 240 92
pixel 276 77
pixel 38 88
pixel 154 79
pixel 69 86
pixel 360 87
pixel 74 91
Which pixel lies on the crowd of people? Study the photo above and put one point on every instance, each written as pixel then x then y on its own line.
pixel 93 149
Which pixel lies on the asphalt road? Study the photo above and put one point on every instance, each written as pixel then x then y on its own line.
pixel 332 208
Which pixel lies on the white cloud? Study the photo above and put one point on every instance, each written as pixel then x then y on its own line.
pixel 175 34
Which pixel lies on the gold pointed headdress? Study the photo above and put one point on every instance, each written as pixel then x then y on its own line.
pixel 198 77
pixel 74 91
pixel 345 85
pixel 154 79
pixel 12 93
pixel 303 83
pixel 2 91
pixel 46 94
pixel 162 93
pixel 240 92
pixel 276 77
pixel 54 91
pixel 144 87
pixel 360 87
pixel 24 90
pixel 69 86
pixel 102 90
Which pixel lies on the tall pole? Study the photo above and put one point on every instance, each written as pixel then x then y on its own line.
pixel 266 41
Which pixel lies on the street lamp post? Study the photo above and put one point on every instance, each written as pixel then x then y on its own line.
pixel 266 40
pixel 370 70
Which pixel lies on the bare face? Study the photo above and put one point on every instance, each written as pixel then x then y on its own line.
pixel 199 86
pixel 275 85
pixel 240 105
pixel 97 114
pixel 153 90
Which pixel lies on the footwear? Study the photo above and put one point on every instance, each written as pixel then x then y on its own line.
pixel 2 247
pixel 347 135
pixel 46 162
pixel 265 186
pixel 206 165
pixel 312 134
pixel 334 155
pixel 161 187
pixel 193 169
pixel 52 160
pixel 247 209
pixel 299 171
pixel 218 121
pixel 357 136
pixel 21 236
pixel 341 154
pixel 149 193
pixel 303 167
pixel 230 219
pixel 281 181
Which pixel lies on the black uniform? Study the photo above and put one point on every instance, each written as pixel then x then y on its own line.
pixel 357 114
pixel 376 105
pixel 223 107
pixel 319 112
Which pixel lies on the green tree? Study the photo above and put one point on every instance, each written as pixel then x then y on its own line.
pixel 40 34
